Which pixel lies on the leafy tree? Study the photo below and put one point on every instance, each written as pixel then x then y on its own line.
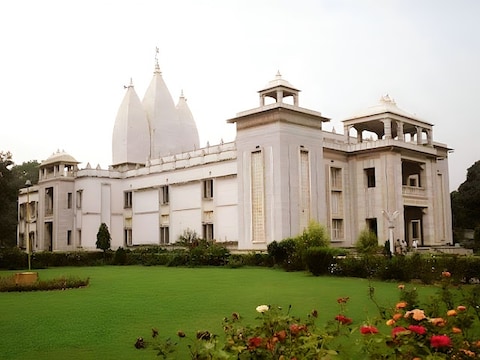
pixel 8 205
pixel 466 200
pixel 27 171
pixel 103 238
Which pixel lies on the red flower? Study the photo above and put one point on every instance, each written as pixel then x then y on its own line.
pixel 342 300
pixel 397 330
pixel 295 328
pixel 342 319
pixel 254 342
pixel 368 329
pixel 420 330
pixel 438 341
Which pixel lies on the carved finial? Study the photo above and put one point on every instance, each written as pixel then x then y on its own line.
pixel 130 85
pixel 157 66
pixel 387 99
pixel 278 76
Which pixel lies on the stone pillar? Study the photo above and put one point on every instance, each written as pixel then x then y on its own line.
pixel 401 135
pixel 262 100
pixel 387 128
pixel 295 99
pixel 429 136
pixel 359 136
pixel 279 96
pixel 419 135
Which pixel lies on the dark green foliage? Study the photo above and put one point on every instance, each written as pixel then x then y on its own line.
pixel 320 259
pixel 8 205
pixel 120 257
pixel 46 259
pixel 466 200
pixel 103 238
pixel 12 258
pixel 7 284
pixel 367 242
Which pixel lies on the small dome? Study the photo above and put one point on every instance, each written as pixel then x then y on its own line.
pixel 386 104
pixel 59 157
pixel 278 81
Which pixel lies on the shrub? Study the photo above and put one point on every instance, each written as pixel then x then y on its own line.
pixel 367 242
pixel 12 258
pixel 320 259
pixel 120 257
pixel 7 284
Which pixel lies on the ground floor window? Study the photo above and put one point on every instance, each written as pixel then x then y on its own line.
pixel 164 235
pixel 128 237
pixel 208 231
pixel 337 229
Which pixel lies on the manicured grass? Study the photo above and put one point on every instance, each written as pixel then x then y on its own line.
pixel 103 320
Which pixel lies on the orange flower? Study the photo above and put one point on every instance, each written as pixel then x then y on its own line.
pixel 437 321
pixel 452 313
pixel 397 316
pixel 446 274
pixel 390 322
pixel 468 353
pixel 456 330
pixel 461 308
pixel 401 286
pixel 401 305
pixel 417 314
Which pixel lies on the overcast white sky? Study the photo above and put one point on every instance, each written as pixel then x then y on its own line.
pixel 63 65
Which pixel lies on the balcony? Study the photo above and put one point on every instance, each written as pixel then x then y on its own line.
pixel 414 196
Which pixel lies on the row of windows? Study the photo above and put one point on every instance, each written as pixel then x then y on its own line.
pixel 207 234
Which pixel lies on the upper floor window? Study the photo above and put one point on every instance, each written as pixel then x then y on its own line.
pixel 336 178
pixel 79 199
pixel 164 196
pixel 370 174
pixel 208 189
pixel 127 199
pixel 69 200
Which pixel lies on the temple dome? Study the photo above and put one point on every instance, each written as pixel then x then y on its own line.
pixel 59 157
pixel 190 139
pixel 131 134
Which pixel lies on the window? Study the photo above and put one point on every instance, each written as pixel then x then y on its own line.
pixel 69 237
pixel 79 199
pixel 208 189
pixel 128 237
pixel 337 204
pixel 337 229
pixel 49 201
pixel 79 237
pixel 258 197
pixel 336 178
pixel 370 174
pixel 127 199
pixel 208 231
pixel 164 198
pixel 69 200
pixel 164 235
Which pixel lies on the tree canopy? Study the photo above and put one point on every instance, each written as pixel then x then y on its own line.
pixel 103 237
pixel 466 200
pixel 12 178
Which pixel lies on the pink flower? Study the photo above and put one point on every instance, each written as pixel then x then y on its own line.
pixel 368 329
pixel 438 341
pixel 254 342
pixel 420 330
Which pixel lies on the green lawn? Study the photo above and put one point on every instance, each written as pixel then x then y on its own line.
pixel 103 320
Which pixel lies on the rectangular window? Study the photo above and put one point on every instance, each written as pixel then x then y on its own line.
pixel 335 178
pixel 128 237
pixel 370 174
pixel 79 199
pixel 127 199
pixel 69 200
pixel 69 237
pixel 208 231
pixel 164 235
pixel 337 229
pixel 337 204
pixel 258 197
pixel 79 237
pixel 164 197
pixel 208 189
pixel 49 201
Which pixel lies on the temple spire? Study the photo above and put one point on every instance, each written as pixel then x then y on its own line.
pixel 157 66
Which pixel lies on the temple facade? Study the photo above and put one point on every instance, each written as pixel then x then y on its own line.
pixel 385 172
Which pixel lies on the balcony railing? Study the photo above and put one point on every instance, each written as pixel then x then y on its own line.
pixel 413 191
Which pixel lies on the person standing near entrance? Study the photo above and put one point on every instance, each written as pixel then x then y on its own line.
pixel 414 245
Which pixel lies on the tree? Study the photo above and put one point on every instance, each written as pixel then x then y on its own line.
pixel 103 237
pixel 8 205
pixel 367 242
pixel 466 200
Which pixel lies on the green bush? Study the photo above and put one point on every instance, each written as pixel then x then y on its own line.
pixel 13 259
pixel 7 284
pixel 320 259
pixel 367 242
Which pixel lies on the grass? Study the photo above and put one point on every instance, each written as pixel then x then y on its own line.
pixel 103 320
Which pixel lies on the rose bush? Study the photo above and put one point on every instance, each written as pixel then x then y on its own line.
pixel 406 330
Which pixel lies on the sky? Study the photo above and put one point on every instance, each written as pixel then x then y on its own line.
pixel 64 64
